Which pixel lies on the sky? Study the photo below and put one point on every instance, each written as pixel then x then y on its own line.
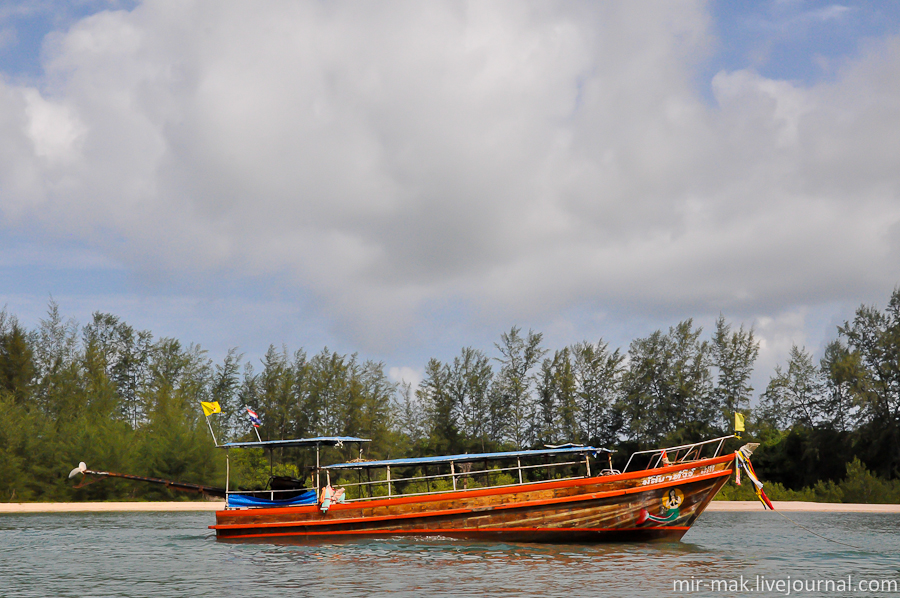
pixel 403 179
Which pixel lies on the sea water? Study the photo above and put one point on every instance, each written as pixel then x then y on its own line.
pixel 164 555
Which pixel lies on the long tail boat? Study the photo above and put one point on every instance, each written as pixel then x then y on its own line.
pixel 564 493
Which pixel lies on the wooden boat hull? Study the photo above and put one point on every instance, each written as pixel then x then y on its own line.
pixel 657 504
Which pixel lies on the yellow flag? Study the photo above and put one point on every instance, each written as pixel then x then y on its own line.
pixel 210 408
pixel 738 422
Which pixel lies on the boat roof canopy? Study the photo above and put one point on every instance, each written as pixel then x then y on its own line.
pixel 319 441
pixel 468 457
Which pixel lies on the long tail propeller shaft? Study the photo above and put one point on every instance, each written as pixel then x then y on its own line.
pixel 183 486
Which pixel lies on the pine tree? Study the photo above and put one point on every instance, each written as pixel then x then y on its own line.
pixel 733 356
pixel 513 384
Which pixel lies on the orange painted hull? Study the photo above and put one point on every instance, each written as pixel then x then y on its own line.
pixel 657 504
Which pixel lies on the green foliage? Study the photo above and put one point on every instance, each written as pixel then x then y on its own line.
pixel 733 355
pixel 869 371
pixel 668 384
pixel 556 404
pixel 470 385
pixel 423 486
pixel 512 408
pixel 17 367
pixel 859 485
pixel 434 394
pixel 92 396
pixel 795 396
pixel 251 469
pixel 801 456
pixel 578 396
pixel 121 400
pixel 598 378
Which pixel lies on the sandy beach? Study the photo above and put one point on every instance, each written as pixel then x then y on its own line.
pixel 787 505
pixel 717 505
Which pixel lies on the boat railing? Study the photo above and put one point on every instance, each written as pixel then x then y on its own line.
pixel 673 455
pixel 457 479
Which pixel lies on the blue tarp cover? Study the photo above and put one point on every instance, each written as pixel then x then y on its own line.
pixel 469 457
pixel 245 500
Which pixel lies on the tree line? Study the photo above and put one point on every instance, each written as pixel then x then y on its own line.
pixel 122 400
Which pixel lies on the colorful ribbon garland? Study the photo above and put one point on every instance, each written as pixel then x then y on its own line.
pixel 743 462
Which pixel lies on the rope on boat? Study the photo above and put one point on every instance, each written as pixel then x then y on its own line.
pixel 742 461
pixel 820 535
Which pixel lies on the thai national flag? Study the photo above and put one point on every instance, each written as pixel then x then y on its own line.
pixel 254 419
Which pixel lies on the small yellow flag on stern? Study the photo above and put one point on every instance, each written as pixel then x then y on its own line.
pixel 738 423
pixel 210 408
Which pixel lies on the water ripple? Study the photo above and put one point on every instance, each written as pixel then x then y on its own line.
pixel 173 555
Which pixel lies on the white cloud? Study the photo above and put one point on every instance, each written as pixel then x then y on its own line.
pixel 406 375
pixel 516 160
pixel 52 128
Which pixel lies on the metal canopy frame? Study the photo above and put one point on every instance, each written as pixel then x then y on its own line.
pixel 468 457
pixel 320 441
pixel 317 442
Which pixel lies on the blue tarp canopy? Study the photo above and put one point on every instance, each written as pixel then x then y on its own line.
pixel 247 500
pixel 320 441
pixel 580 450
